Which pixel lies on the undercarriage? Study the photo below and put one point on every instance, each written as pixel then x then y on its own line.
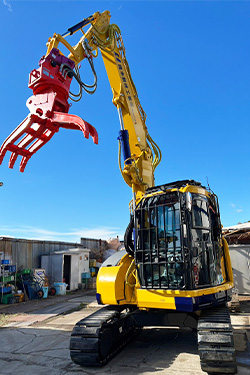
pixel 96 339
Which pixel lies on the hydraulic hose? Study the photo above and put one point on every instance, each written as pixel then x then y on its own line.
pixel 128 241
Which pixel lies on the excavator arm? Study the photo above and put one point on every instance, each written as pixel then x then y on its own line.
pixel 51 91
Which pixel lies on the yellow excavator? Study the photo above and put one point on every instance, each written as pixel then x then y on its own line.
pixel 175 269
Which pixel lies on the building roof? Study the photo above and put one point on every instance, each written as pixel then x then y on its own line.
pixel 237 234
pixel 239 226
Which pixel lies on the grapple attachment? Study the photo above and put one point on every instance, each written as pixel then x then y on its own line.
pixel 48 110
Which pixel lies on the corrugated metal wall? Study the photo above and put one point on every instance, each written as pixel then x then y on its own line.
pixel 27 253
pixel 91 243
pixel 240 258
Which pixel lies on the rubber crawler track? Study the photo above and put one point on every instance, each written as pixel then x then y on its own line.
pixel 99 337
pixel 215 342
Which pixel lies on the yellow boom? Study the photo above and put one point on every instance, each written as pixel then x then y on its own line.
pixel 138 169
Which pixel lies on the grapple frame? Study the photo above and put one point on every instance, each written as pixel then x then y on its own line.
pixel 48 110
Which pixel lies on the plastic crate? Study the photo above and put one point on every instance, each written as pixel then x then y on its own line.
pixel 45 291
pixel 5 261
pixel 12 268
pixel 60 288
pixel 5 298
pixel 85 275
pixel 6 289
pixel 26 271
pixel 7 279
pixel 92 263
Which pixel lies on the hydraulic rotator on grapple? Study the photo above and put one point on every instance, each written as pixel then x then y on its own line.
pixel 48 109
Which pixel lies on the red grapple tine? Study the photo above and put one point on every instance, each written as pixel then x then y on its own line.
pixel 14 155
pixel 68 121
pixel 47 135
pixel 35 131
pixel 8 144
pixel 40 134
pixel 93 132
pixel 27 140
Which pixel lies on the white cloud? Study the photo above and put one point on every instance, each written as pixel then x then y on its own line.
pixel 73 235
pixel 7 4
pixel 236 209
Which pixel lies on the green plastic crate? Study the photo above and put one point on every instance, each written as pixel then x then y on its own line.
pixel 26 271
pixel 7 279
pixel 5 298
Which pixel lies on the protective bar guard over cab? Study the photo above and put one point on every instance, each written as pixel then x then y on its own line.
pixel 48 110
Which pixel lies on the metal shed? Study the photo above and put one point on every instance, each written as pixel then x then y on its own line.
pixel 66 266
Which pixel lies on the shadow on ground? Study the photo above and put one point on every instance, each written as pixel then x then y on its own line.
pixel 39 351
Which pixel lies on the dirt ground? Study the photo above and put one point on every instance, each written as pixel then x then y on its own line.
pixel 35 339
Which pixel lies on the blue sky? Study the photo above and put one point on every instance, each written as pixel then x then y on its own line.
pixel 190 63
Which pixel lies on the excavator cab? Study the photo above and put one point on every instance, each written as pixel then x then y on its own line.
pixel 179 240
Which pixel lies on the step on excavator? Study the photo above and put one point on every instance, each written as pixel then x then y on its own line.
pixel 175 269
